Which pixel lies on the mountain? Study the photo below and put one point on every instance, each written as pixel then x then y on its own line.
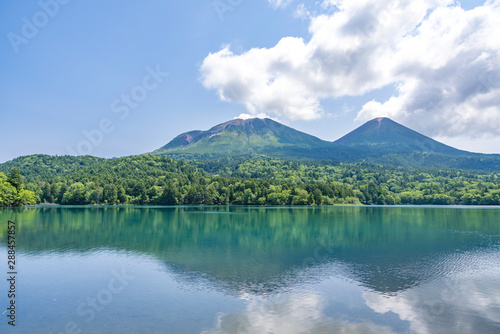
pixel 380 141
pixel 240 136
pixel 383 134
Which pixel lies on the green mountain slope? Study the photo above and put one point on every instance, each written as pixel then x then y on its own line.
pixel 40 166
pixel 242 137
pixel 385 135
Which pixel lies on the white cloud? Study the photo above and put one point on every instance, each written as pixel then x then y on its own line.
pixel 264 80
pixel 279 3
pixel 248 116
pixel 443 61
pixel 301 12
pixel 449 74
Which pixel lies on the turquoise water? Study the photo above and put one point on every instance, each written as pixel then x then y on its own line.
pixel 254 270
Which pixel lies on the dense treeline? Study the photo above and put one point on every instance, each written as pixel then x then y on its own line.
pixel 372 155
pixel 153 180
pixel 12 192
pixel 376 184
pixel 43 167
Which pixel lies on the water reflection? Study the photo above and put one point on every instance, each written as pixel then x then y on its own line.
pixel 290 314
pixel 388 250
pixel 463 301
pixel 298 270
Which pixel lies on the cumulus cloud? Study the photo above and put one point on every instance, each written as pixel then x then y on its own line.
pixel 449 70
pixel 443 62
pixel 264 80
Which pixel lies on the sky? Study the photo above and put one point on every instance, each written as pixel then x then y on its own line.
pixel 118 78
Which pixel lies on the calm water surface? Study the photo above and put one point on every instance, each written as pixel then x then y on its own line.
pixel 254 270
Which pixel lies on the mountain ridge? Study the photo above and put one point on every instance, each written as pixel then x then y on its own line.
pixel 380 140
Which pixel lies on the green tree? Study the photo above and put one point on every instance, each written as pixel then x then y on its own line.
pixel 12 196
pixel 15 179
pixel 110 194
pixel 318 196
pixel 121 195
pixel 169 196
pixel 8 192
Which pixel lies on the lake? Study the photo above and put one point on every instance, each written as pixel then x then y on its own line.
pixel 253 270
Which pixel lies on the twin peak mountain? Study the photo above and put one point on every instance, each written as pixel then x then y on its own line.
pixel 380 140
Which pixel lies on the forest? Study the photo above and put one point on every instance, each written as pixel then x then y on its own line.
pixel 153 180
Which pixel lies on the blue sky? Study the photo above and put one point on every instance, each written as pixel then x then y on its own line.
pixel 90 77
